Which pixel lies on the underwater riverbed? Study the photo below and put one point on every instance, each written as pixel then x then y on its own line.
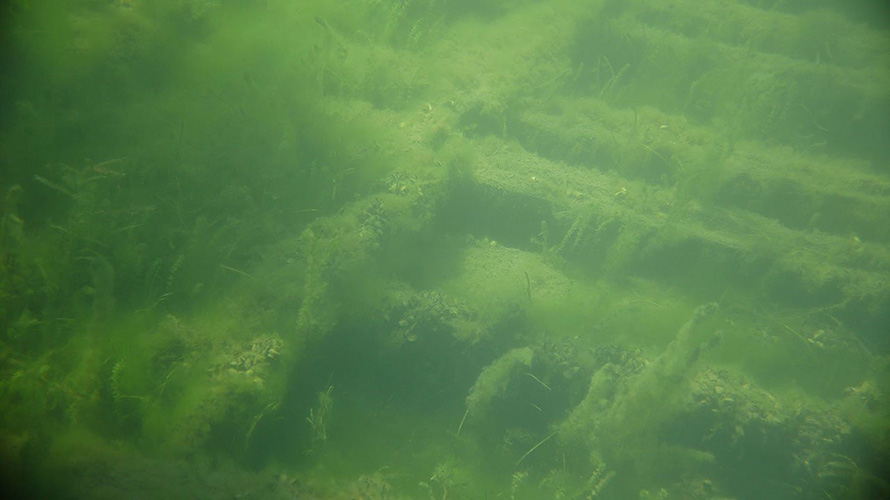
pixel 411 249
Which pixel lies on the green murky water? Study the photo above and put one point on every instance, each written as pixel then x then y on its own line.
pixel 430 249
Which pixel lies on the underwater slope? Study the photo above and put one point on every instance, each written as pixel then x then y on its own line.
pixel 565 249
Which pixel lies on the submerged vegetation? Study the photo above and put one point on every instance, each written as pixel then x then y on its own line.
pixel 564 249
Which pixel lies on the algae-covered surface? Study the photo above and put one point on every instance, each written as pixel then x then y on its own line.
pixel 444 249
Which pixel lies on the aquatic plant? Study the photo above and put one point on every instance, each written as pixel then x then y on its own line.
pixel 494 379
pixel 320 414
